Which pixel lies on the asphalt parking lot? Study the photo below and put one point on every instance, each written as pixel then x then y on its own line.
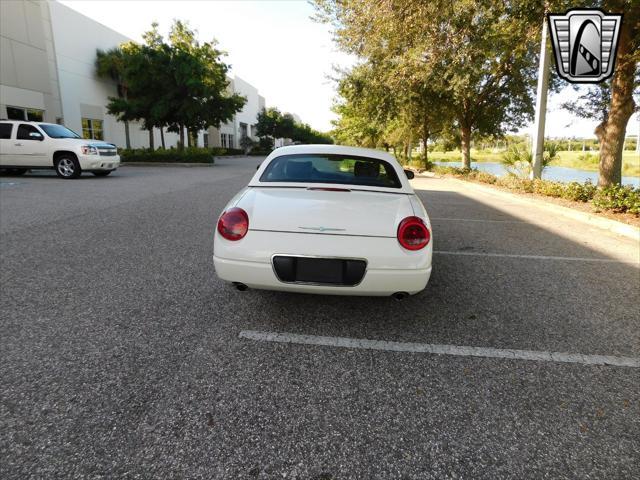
pixel 124 356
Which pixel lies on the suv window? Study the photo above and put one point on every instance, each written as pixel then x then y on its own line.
pixel 5 130
pixel 25 132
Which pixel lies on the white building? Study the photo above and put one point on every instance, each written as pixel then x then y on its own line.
pixel 47 73
pixel 230 134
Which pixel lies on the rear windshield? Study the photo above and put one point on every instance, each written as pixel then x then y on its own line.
pixel 325 168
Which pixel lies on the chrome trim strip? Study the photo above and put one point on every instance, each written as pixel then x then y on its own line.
pixel 366 268
pixel 318 233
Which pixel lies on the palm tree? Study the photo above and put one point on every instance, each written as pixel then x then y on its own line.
pixel 110 64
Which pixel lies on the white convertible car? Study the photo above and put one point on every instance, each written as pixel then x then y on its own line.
pixel 326 219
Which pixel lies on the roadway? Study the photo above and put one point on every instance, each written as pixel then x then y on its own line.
pixel 124 356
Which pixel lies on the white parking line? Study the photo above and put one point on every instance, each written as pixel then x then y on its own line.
pixel 344 342
pixel 478 220
pixel 537 257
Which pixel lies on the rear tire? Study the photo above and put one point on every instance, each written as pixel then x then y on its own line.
pixel 102 173
pixel 67 166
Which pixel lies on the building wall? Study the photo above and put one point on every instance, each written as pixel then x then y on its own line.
pixel 84 95
pixel 47 62
pixel 28 73
pixel 248 115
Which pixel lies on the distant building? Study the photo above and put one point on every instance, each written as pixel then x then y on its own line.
pixel 47 73
pixel 230 134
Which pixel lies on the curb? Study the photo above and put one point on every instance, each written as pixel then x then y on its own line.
pixel 164 164
pixel 613 226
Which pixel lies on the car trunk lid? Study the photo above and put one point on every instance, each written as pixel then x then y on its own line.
pixel 330 211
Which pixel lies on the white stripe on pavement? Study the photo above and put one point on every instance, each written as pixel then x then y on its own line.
pixel 536 257
pixel 478 220
pixel 344 342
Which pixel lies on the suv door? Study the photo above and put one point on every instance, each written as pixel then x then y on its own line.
pixel 5 143
pixel 29 147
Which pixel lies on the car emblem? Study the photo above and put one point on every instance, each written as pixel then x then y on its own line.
pixel 585 43
pixel 323 229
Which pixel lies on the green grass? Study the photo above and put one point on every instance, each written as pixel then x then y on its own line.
pixel 580 160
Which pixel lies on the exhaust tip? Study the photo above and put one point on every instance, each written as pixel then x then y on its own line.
pixel 400 295
pixel 241 287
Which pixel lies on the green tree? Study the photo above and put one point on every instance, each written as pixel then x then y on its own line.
pixel 111 64
pixel 481 53
pixel 197 95
pixel 612 103
pixel 181 84
pixel 267 125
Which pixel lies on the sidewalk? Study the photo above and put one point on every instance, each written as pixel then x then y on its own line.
pixel 613 226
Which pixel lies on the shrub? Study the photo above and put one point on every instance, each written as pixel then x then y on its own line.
pixel 258 152
pixel 455 171
pixel 171 155
pixel 619 199
pixel 579 192
pixel 546 187
pixel 515 183
pixel 485 177
pixel 588 157
pixel 517 161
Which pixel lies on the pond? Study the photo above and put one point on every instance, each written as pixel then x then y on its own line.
pixel 557 174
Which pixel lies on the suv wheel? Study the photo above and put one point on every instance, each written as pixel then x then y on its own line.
pixel 67 167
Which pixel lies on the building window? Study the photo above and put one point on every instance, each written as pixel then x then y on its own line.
pixel 244 130
pixel 92 129
pixel 30 114
pixel 205 140
pixel 226 140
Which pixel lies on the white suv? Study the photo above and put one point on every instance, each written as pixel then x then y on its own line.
pixel 31 145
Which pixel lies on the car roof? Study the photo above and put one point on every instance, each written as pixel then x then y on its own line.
pixel 333 149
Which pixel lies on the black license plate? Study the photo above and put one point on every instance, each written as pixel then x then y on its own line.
pixel 320 271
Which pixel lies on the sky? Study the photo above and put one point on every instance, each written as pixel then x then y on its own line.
pixel 279 49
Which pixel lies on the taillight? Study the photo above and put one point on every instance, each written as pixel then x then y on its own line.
pixel 413 234
pixel 233 224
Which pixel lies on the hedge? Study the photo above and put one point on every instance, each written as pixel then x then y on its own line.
pixel 617 199
pixel 173 155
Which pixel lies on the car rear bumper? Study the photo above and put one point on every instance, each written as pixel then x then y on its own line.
pixel 99 162
pixel 376 282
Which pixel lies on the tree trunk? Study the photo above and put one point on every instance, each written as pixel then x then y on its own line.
pixel 611 132
pixel 127 137
pixel 162 137
pixel 181 142
pixel 194 139
pixel 425 139
pixel 465 138
pixel 152 145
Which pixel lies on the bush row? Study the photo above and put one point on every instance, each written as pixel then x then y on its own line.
pixel 618 198
pixel 188 155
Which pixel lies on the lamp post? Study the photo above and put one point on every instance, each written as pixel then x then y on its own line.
pixel 541 105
